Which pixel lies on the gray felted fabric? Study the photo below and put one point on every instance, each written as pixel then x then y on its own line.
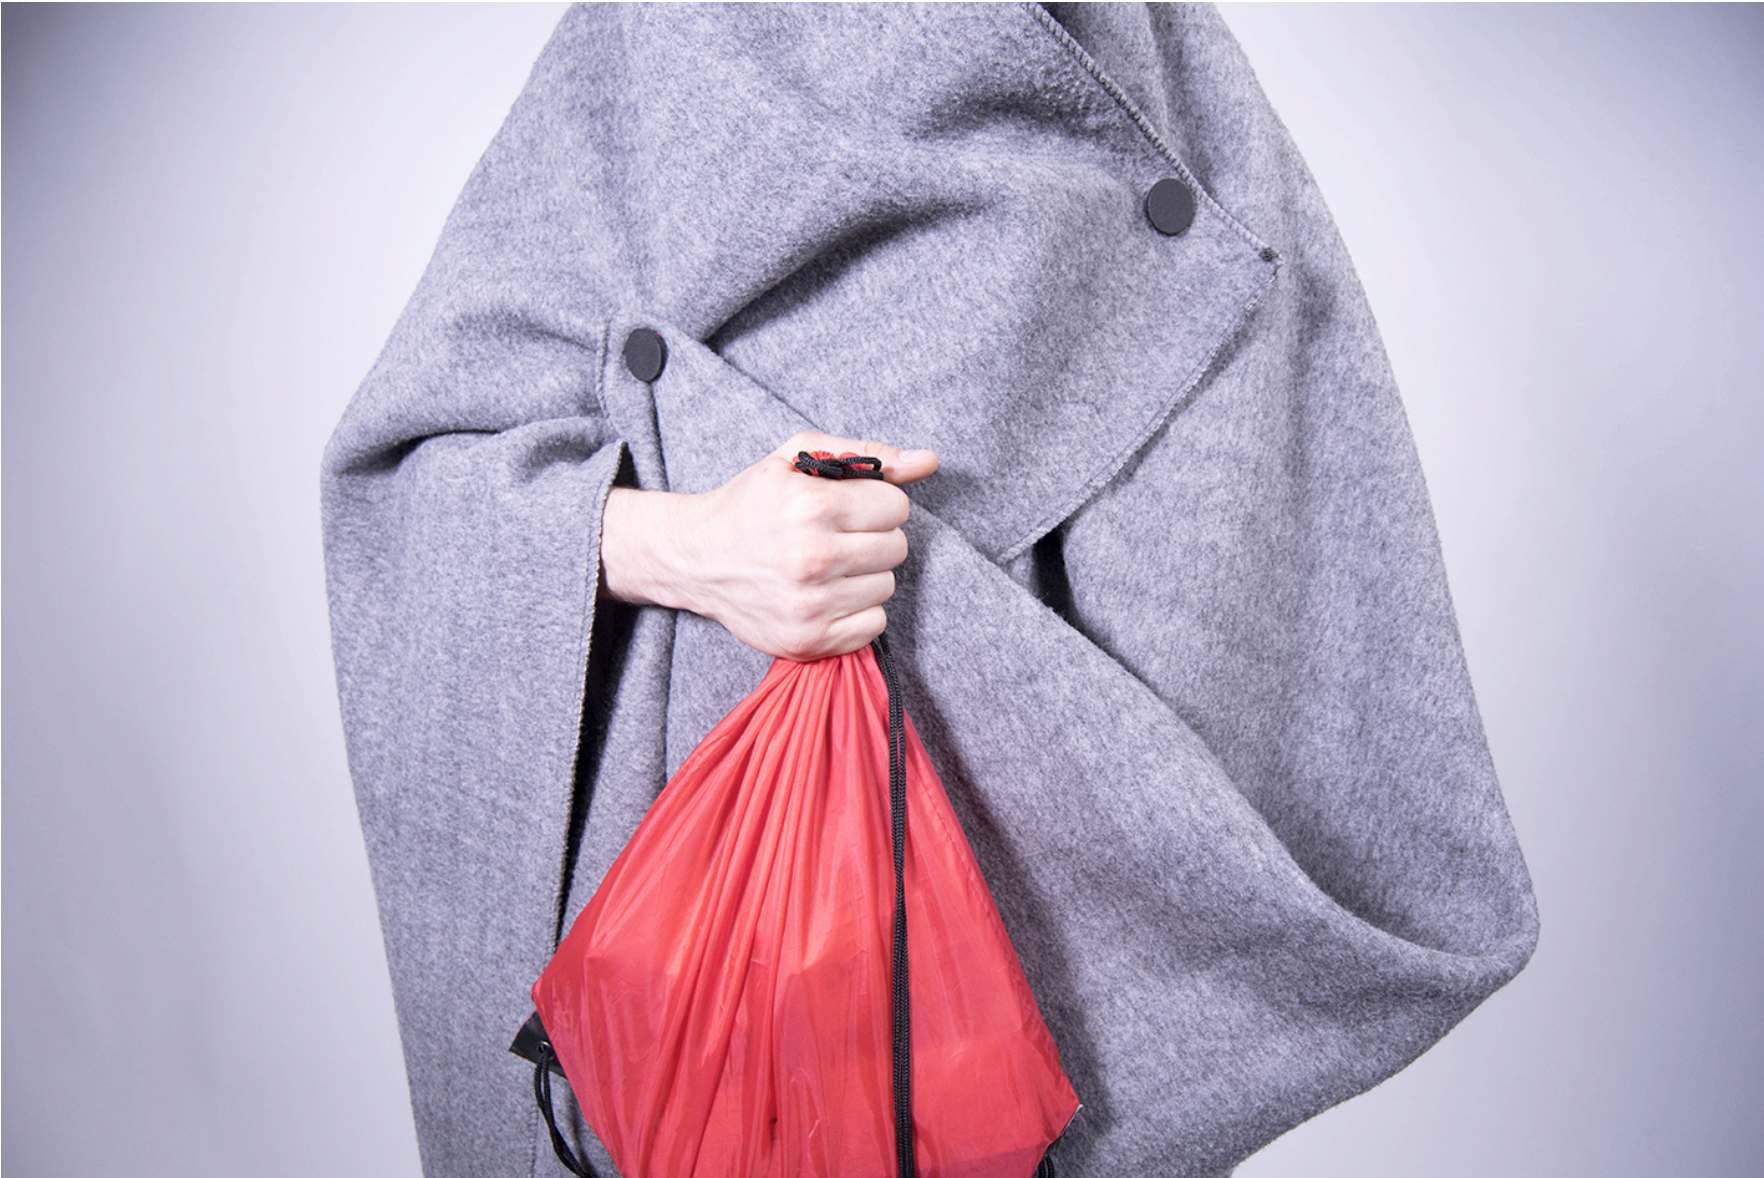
pixel 1174 623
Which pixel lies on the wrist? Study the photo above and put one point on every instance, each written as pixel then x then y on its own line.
pixel 640 539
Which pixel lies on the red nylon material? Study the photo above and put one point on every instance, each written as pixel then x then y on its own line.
pixel 721 1006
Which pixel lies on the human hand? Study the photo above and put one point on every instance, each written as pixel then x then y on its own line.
pixel 794 566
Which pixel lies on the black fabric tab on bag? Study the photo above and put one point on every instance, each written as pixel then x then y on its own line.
pixel 529 1041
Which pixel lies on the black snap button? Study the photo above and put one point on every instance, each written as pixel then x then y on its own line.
pixel 1169 206
pixel 645 354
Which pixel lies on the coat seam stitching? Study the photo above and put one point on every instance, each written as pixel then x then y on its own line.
pixel 1091 66
pixel 1091 486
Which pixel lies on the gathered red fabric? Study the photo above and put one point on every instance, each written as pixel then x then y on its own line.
pixel 722 1006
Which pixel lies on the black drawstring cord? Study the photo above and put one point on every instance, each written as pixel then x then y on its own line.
pixel 861 466
pixel 856 466
pixel 542 1094
pixel 903 1030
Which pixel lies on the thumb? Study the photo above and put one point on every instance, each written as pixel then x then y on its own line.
pixel 898 466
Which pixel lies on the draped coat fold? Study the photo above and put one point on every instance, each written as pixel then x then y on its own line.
pixel 1174 624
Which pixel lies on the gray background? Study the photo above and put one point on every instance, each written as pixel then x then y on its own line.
pixel 211 218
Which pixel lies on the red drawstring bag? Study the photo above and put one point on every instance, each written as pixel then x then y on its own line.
pixel 728 1004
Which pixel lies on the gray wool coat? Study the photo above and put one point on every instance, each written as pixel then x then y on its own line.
pixel 1174 625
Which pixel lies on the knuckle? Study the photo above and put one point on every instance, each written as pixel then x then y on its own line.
pixel 803 643
pixel 821 508
pixel 802 611
pixel 808 506
pixel 897 547
pixel 899 503
pixel 887 504
pixel 875 621
pixel 807 564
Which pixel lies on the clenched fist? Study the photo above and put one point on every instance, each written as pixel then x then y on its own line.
pixel 793 566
